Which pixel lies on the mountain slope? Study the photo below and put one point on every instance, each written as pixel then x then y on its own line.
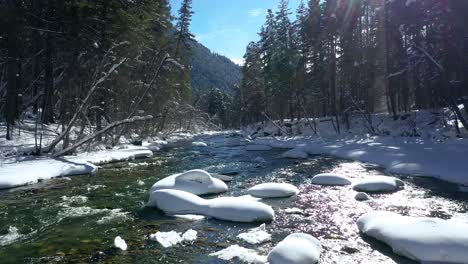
pixel 209 70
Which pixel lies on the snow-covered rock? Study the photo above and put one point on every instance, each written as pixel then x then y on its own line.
pixel 330 179
pixel 273 190
pixel 199 144
pixel 21 173
pixel 175 202
pixel 243 254
pixel 120 243
pixel 256 235
pixel 378 184
pixel 426 240
pixel 362 196
pixel 258 148
pixel 198 182
pixel 295 154
pixel 297 248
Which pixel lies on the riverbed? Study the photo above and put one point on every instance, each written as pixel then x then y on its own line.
pixel 75 220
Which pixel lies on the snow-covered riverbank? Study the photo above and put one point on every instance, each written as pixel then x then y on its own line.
pixel 18 170
pixel 422 143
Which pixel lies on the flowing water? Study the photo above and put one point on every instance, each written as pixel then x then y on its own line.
pixel 75 220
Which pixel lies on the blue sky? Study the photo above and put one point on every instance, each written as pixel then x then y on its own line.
pixel 227 26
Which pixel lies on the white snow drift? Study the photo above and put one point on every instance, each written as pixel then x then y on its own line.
pixel 273 190
pixel 256 235
pixel 330 179
pixel 175 202
pixel 31 171
pixel 297 248
pixel 295 154
pixel 258 148
pixel 198 182
pixel 378 184
pixel 427 240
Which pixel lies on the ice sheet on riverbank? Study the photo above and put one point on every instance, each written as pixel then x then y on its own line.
pixel 19 173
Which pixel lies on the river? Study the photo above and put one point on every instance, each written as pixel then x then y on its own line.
pixel 75 220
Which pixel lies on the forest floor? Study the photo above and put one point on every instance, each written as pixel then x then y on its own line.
pixel 422 143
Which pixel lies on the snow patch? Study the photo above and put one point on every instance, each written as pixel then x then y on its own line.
pixel 256 235
pixel 172 238
pixel 199 144
pixel 120 243
pixel 427 240
pixel 19 173
pixel 243 254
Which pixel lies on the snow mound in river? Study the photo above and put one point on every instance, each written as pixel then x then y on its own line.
pixel 243 254
pixel 31 171
pixel 198 182
pixel 297 248
pixel 330 179
pixel 427 240
pixel 175 202
pixel 199 144
pixel 273 190
pixel 295 154
pixel 256 235
pixel 378 184
pixel 258 148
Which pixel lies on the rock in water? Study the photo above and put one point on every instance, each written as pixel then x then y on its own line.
pixel 258 148
pixel 236 209
pixel 295 154
pixel 378 184
pixel 362 196
pixel 424 239
pixel 330 179
pixel 198 182
pixel 120 243
pixel 297 248
pixel 273 190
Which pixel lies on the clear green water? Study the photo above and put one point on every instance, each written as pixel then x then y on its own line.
pixel 75 220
